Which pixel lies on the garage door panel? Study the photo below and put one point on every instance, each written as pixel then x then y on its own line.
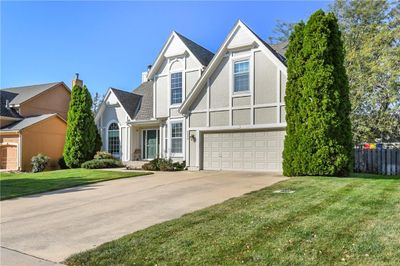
pixel 248 165
pixel 260 155
pixel 248 144
pixel 260 166
pixel 237 144
pixel 258 150
pixel 237 155
pixel 261 143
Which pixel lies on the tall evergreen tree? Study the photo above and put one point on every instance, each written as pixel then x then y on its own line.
pixel 80 144
pixel 291 162
pixel 321 124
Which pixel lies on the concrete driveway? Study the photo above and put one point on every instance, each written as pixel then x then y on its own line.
pixel 48 227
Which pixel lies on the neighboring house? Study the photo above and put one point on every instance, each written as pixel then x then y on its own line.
pixel 32 121
pixel 223 111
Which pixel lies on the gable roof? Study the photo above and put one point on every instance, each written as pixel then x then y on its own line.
pixel 269 51
pixel 128 100
pixel 201 54
pixel 277 54
pixel 4 110
pixel 137 104
pixel 26 93
pixel 145 110
pixel 27 122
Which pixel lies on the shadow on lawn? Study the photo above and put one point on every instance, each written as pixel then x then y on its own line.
pixel 30 187
pixel 375 176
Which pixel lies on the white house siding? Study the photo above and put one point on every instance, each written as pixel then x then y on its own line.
pixel 111 111
pixel 161 96
pixel 177 58
pixel 219 86
pixel 240 131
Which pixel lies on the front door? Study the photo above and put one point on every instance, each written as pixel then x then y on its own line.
pixel 150 143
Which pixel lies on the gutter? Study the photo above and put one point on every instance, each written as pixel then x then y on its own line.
pixel 134 122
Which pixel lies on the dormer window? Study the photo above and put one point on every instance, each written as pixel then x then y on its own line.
pixel 241 76
pixel 176 88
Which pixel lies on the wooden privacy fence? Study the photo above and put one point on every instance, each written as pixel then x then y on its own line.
pixel 377 161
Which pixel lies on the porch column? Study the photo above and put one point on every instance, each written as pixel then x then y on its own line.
pixel 129 144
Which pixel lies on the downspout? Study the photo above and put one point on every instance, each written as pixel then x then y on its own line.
pixel 20 151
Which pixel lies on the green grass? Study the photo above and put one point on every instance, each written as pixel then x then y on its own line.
pixel 327 221
pixel 21 184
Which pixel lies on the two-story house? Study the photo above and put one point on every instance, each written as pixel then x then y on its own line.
pixel 32 121
pixel 215 111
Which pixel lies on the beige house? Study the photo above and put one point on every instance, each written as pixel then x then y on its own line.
pixel 214 111
pixel 32 121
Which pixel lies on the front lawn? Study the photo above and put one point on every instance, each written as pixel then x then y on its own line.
pixel 327 221
pixel 20 184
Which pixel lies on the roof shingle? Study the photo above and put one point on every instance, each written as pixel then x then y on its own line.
pixel 201 53
pixel 26 122
pixel 129 101
pixel 24 93
pixel 5 97
pixel 145 110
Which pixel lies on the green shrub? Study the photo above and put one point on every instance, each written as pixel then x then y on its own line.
pixel 179 166
pixel 62 164
pixel 102 163
pixel 103 155
pixel 39 162
pixel 149 167
pixel 166 165
pixel 160 164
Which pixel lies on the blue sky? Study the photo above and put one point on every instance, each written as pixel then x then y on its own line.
pixel 111 43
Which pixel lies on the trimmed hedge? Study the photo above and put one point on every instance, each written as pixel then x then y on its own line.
pixel 103 155
pixel 102 163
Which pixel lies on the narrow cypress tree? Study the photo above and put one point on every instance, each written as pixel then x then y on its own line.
pixel 80 144
pixel 325 98
pixel 295 61
pixel 321 125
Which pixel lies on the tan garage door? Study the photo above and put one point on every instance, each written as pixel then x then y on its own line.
pixel 8 157
pixel 260 150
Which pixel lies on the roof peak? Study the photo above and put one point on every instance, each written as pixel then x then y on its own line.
pixel 200 52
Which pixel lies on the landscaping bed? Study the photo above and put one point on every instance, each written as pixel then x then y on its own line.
pixel 325 221
pixel 20 184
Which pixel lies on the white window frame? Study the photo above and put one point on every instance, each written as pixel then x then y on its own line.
pixel 180 121
pixel 241 60
pixel 119 136
pixel 170 87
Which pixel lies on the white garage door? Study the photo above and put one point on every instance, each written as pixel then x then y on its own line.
pixel 261 150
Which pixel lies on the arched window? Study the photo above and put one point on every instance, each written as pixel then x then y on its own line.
pixel 113 139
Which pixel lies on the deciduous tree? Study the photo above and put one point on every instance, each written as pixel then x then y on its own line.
pixel 371 34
